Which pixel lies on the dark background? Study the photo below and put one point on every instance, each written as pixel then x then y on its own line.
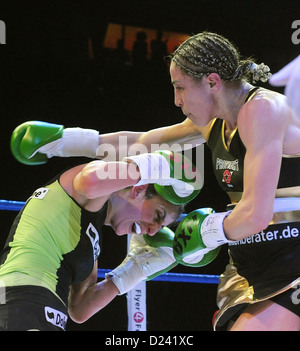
pixel 46 74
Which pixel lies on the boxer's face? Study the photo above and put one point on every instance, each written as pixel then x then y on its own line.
pixel 139 215
pixel 193 97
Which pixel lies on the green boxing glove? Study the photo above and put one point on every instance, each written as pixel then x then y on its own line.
pixel 174 176
pixel 162 240
pixel 34 142
pixel 28 137
pixel 188 246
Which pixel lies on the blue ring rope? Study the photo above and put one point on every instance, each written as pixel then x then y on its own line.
pixel 177 277
pixel 9 205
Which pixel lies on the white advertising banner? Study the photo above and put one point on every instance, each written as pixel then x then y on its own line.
pixel 136 306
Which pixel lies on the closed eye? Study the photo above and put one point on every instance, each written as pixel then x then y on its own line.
pixel 160 216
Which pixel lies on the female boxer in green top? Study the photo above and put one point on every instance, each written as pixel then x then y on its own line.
pixel 49 263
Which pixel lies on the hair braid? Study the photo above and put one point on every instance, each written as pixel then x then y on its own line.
pixel 206 53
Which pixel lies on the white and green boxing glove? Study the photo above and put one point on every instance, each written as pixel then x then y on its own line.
pixel 147 257
pixel 34 142
pixel 174 176
pixel 199 237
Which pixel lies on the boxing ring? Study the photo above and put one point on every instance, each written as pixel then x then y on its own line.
pixel 136 311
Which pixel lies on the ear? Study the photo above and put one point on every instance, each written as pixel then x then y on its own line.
pixel 138 190
pixel 214 82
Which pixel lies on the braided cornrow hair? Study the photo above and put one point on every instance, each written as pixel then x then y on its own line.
pixel 206 53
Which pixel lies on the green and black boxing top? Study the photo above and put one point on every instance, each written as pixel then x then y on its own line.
pixel 53 242
pixel 228 161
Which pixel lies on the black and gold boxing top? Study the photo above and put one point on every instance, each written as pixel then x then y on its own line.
pixel 228 161
pixel 268 263
pixel 53 242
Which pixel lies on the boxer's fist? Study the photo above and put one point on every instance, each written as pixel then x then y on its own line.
pixel 174 176
pixel 147 258
pixel 162 241
pixel 34 142
pixel 188 247
pixel 29 137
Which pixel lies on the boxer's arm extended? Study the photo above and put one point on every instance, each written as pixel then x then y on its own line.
pixel 176 137
pixel 183 135
pixel 35 142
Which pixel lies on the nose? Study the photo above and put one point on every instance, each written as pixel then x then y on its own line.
pixel 177 99
pixel 152 229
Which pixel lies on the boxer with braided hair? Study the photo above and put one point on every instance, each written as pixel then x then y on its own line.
pixel 254 138
pixel 206 53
